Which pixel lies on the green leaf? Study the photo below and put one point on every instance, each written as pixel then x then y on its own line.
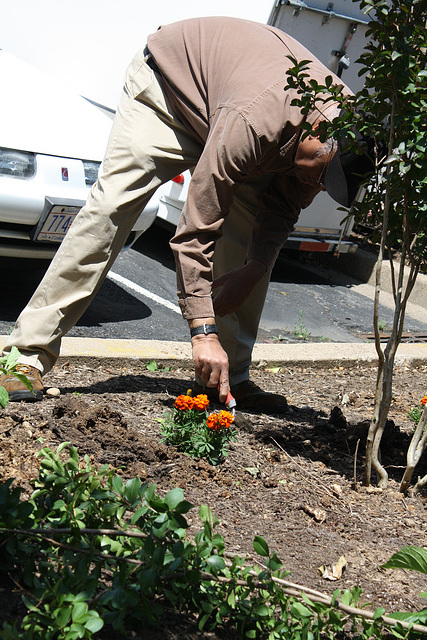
pixel 260 546
pixel 4 397
pixel 117 485
pixel 62 446
pixel 109 509
pixel 174 497
pixel 94 622
pixel 63 617
pixel 262 610
pixel 76 631
pixel 11 359
pixel 202 621
pixel 114 545
pixel 231 600
pixel 82 596
pixel 152 366
pixel 132 488
pixel 80 610
pixel 216 561
pixel 205 513
pixel 73 453
pixel 410 558
pixel 417 617
pixel 23 378
pixel 184 507
pixel 274 562
pixel 301 610
pixel 158 504
pixel 207 606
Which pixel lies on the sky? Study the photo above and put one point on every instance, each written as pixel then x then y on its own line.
pixel 87 44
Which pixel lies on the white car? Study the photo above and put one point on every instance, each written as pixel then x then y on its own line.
pixel 52 142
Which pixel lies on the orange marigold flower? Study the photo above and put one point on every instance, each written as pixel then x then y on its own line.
pixel 212 422
pixel 201 401
pixel 184 403
pixel 225 418
pixel 424 400
pixel 221 420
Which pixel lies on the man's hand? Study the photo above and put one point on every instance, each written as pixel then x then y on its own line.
pixel 236 286
pixel 211 363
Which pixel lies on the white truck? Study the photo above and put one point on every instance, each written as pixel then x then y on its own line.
pixel 335 33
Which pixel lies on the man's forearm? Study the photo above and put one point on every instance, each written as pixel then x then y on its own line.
pixel 210 359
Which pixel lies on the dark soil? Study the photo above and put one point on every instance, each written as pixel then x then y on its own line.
pixel 288 478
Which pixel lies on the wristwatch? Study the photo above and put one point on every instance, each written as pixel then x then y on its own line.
pixel 203 329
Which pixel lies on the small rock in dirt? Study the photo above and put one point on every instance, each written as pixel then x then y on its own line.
pixel 337 489
pixel 373 489
pixel 254 471
pixel 53 392
pixel 318 514
pixel 345 399
pixel 409 522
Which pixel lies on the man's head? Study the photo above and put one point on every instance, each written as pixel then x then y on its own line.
pixel 347 169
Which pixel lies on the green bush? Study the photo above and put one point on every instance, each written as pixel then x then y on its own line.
pixel 91 550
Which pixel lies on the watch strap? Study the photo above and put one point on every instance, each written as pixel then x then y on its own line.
pixel 203 329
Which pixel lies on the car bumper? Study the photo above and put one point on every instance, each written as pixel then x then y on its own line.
pixel 24 202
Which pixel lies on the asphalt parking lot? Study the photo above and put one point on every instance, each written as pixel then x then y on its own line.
pixel 307 301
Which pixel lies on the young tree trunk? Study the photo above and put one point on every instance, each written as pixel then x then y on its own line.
pixel 383 393
pixel 383 389
pixel 383 402
pixel 379 416
pixel 416 448
pixel 420 484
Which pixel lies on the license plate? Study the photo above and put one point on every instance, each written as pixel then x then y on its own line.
pixel 57 223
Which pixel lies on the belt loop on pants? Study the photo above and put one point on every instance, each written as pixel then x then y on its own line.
pixel 149 60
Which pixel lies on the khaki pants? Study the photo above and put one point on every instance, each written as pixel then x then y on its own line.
pixel 147 147
pixel 238 330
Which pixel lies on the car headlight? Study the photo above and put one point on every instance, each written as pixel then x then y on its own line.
pixel 17 164
pixel 91 172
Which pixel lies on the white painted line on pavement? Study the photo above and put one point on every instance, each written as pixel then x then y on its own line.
pixel 143 292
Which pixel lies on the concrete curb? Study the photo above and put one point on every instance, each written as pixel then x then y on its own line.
pixel 308 353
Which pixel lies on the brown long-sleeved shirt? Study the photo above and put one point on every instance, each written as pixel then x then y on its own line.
pixel 225 78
